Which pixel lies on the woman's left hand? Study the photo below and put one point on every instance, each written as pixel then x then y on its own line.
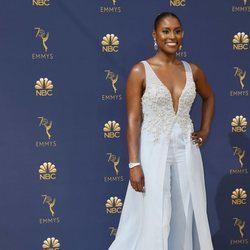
pixel 198 137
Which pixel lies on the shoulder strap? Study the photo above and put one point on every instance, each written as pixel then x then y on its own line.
pixel 188 70
pixel 148 74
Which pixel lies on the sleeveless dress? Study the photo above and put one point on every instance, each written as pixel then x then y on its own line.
pixel 146 221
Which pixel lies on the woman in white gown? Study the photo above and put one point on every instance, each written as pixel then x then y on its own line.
pixel 165 204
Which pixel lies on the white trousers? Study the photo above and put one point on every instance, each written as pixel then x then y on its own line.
pixel 147 224
pixel 178 214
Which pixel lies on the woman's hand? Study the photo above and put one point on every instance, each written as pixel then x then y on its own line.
pixel 137 179
pixel 198 137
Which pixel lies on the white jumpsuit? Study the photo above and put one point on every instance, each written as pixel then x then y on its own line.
pixel 171 213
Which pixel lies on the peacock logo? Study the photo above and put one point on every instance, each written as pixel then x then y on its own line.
pixel 44 87
pixel 239 196
pixel 240 41
pixel 239 124
pixel 110 43
pixel 47 171
pixel 113 205
pixel 51 244
pixel 111 130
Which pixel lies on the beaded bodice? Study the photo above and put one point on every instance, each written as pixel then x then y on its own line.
pixel 157 105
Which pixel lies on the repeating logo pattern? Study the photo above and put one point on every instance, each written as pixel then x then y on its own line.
pixel 110 44
pixel 44 87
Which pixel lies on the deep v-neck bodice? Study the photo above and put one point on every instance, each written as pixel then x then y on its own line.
pixel 167 89
pixel 157 103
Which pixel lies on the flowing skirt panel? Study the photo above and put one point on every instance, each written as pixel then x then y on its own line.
pixel 161 218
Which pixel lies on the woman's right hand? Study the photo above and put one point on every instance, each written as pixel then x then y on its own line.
pixel 137 179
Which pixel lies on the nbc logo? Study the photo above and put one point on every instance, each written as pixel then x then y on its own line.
pixel 40 3
pixel 178 3
pixel 111 129
pixel 240 41
pixel 47 171
pixel 239 124
pixel 110 43
pixel 239 197
pixel 113 205
pixel 44 87
pixel 51 244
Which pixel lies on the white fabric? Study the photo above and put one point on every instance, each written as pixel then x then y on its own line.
pixel 162 217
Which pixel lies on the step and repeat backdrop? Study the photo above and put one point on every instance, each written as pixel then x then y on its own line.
pixel 63 153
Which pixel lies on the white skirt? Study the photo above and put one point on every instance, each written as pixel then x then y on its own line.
pixel 166 215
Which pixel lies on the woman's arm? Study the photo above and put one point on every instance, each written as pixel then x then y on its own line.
pixel 206 93
pixel 134 91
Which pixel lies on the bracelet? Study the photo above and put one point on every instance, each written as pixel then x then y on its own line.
pixel 134 164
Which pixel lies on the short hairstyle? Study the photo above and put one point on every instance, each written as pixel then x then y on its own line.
pixel 163 15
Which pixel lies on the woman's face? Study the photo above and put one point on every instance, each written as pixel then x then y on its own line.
pixel 168 35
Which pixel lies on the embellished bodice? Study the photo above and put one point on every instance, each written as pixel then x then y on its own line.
pixel 157 105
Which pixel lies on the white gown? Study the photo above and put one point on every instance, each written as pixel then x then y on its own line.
pixel 145 222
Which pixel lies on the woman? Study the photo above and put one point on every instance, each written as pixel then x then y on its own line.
pixel 165 205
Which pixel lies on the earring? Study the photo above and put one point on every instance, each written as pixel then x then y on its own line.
pixel 155 44
pixel 180 47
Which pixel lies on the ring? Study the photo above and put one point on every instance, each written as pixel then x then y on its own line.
pixel 200 139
